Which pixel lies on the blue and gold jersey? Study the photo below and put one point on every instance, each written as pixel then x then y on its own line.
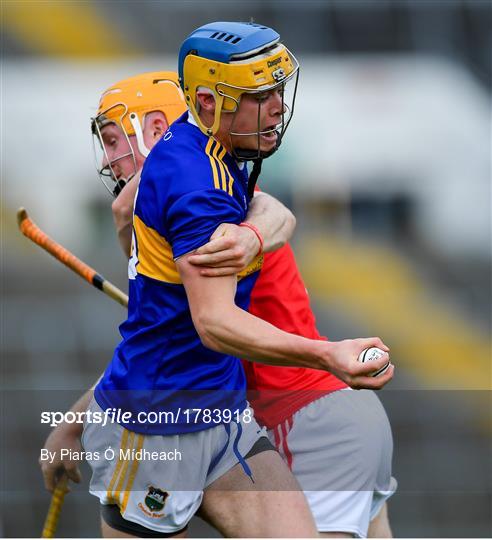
pixel 189 186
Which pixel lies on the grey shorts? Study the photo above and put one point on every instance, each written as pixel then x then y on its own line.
pixel 340 448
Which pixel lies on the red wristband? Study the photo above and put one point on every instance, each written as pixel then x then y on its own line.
pixel 256 231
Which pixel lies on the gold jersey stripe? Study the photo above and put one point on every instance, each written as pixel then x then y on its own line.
pixel 229 175
pixel 208 150
pixel 221 167
pixel 124 440
pixel 133 474
pixel 155 256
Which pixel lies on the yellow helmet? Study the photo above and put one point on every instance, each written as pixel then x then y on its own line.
pixel 126 103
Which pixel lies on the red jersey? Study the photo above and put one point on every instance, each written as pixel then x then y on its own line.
pixel 280 298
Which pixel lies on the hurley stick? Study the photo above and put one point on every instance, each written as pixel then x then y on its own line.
pixel 34 233
pixel 53 515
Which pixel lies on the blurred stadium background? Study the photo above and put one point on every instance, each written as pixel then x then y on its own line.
pixel 386 166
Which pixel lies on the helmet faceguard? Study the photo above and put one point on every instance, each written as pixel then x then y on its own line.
pixel 125 105
pixel 105 164
pixel 287 88
pixel 233 59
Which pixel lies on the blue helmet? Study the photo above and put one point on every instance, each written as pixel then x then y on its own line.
pixel 221 41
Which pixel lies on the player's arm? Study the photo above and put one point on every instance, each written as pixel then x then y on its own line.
pixel 122 209
pixel 67 436
pixel 232 248
pixel 274 221
pixel 224 327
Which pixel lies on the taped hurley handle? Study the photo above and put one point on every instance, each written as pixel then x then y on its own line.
pixel 53 515
pixel 34 233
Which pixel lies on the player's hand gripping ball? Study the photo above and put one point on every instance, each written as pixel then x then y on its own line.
pixel 373 353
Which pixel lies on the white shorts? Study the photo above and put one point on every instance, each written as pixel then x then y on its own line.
pixel 158 481
pixel 339 448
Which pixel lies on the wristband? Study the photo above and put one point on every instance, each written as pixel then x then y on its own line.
pixel 256 231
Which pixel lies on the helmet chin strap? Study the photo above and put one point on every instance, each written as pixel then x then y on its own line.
pixel 120 184
pixel 139 135
pixel 257 157
pixel 253 177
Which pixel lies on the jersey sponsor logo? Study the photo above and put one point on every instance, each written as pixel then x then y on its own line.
pixel 167 135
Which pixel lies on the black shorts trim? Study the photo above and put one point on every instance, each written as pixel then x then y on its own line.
pixel 263 444
pixel 110 513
